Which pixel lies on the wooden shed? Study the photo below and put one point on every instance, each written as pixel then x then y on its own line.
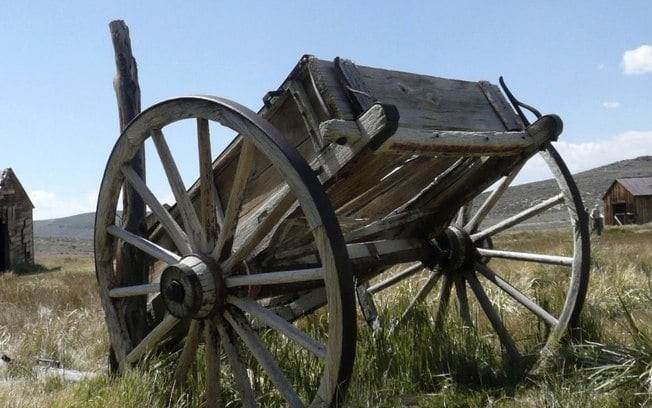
pixel 16 223
pixel 628 201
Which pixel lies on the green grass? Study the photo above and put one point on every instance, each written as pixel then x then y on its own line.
pixel 56 314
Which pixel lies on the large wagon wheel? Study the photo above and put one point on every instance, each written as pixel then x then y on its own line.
pixel 470 263
pixel 206 285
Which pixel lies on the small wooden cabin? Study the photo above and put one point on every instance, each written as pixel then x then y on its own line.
pixel 628 201
pixel 16 223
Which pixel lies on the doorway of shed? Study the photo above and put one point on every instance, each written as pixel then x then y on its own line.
pixel 620 213
pixel 4 247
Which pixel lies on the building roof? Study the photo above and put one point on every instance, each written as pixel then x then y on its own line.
pixel 637 186
pixel 4 178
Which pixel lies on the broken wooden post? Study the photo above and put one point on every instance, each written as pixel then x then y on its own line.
pixel 128 258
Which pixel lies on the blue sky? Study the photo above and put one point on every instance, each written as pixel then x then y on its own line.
pixel 58 110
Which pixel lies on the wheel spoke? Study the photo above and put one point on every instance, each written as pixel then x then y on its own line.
pixel 144 245
pixel 527 257
pixel 207 197
pixel 404 274
pixel 242 173
pixel 494 319
pixel 266 360
pixel 152 339
pixel 219 211
pixel 261 231
pixel 518 218
pixel 274 321
pixel 173 229
pixel 213 386
pixel 239 371
pixel 516 294
pixel 489 203
pixel 135 290
pixel 462 300
pixel 423 292
pixel 444 300
pixel 188 353
pixel 463 214
pixel 274 278
pixel 186 209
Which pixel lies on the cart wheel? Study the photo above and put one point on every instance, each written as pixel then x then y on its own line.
pixel 210 292
pixel 479 259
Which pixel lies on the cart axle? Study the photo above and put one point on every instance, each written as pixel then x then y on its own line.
pixel 193 287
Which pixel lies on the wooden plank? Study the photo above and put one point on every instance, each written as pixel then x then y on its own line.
pixel 356 89
pixel 429 103
pixel 304 304
pixel 340 131
pixel 325 78
pixel 504 111
pixel 308 114
pixel 467 143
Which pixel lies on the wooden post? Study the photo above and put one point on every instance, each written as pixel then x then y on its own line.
pixel 131 266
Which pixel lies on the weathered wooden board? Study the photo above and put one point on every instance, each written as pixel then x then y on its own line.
pixel 16 224
pixel 365 187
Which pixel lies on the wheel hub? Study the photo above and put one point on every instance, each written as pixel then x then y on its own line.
pixel 457 248
pixel 193 288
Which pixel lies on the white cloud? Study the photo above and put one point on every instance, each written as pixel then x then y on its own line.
pixel 587 155
pixel 49 205
pixel 611 105
pixel 638 61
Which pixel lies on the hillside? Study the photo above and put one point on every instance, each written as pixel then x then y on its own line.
pixel 592 183
pixel 78 226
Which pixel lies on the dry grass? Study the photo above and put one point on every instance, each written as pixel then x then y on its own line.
pixel 53 314
pixel 57 315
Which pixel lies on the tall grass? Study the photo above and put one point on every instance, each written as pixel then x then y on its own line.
pixel 56 315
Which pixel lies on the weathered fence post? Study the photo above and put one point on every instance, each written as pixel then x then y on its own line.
pixel 129 260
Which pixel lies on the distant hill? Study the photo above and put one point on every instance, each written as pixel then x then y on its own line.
pixel 78 226
pixel 592 183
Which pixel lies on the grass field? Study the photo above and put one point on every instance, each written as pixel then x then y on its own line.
pixel 54 313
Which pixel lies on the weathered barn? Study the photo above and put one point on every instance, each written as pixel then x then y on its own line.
pixel 16 226
pixel 628 201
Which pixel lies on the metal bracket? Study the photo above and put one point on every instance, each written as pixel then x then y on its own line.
pixel 518 104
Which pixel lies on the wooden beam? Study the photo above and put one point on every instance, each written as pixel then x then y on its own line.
pixel 441 142
pixel 484 143
pixel 132 266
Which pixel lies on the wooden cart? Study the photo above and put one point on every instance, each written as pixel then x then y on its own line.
pixel 344 173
